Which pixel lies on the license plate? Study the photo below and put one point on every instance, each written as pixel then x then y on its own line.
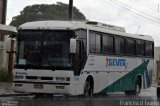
pixel 38 86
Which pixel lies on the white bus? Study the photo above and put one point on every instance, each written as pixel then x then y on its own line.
pixel 76 58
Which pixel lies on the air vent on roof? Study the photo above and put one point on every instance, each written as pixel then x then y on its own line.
pixel 112 27
pixel 92 23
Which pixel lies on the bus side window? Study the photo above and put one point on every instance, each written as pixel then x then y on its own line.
pixel 107 44
pixel 140 48
pixel 79 57
pixel 98 43
pixel 119 45
pixel 82 36
pixel 130 47
pixel 148 49
pixel 94 42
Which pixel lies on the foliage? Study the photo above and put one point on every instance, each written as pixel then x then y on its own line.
pixel 41 12
pixel 5 76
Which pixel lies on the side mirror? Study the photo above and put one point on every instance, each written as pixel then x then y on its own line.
pixel 72 45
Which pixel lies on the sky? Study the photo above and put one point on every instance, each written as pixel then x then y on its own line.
pixel 136 16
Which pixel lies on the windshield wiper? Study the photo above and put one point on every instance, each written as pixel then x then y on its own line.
pixel 27 66
pixel 52 67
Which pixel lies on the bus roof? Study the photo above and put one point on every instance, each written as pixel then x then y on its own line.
pixel 90 25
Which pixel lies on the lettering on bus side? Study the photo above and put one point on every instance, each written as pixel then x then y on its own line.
pixel 21 73
pixel 115 62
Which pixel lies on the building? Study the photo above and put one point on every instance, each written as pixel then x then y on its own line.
pixel 4 32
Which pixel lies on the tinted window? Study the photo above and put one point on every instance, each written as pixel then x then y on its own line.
pixel 140 48
pixel 107 44
pixel 130 46
pixel 82 35
pixel 44 48
pixel 149 49
pixel 1 38
pixel 119 45
pixel 92 41
pixel 98 43
pixel 95 42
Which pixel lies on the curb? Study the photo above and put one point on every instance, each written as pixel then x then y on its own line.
pixel 11 95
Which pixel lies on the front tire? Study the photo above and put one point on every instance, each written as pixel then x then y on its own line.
pixel 158 92
pixel 88 89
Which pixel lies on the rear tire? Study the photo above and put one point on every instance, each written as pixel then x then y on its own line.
pixel 136 91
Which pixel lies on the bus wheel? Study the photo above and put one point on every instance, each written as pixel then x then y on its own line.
pixel 158 92
pixel 88 89
pixel 137 89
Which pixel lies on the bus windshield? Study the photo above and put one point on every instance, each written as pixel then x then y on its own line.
pixel 48 49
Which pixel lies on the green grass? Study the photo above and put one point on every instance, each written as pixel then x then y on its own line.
pixel 5 76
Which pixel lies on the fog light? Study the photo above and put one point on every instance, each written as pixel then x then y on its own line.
pixel 18 85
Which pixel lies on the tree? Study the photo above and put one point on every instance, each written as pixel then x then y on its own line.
pixel 41 12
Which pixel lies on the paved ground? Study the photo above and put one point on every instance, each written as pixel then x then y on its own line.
pixel 6 88
pixel 146 98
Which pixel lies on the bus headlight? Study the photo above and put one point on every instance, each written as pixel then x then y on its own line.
pixel 62 78
pixel 18 85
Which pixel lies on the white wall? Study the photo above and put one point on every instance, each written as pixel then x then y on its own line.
pixel 3 54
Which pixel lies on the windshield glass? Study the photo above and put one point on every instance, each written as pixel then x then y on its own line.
pixel 44 48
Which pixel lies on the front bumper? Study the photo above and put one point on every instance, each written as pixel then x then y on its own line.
pixel 42 87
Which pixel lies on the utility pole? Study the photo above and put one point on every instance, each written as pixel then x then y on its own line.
pixel 3 9
pixel 70 10
pixel 138 29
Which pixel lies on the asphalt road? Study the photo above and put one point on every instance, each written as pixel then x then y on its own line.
pixel 146 98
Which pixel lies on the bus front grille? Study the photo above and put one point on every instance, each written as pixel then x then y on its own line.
pixel 36 77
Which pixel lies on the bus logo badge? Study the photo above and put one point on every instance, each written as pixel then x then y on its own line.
pixel 111 62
